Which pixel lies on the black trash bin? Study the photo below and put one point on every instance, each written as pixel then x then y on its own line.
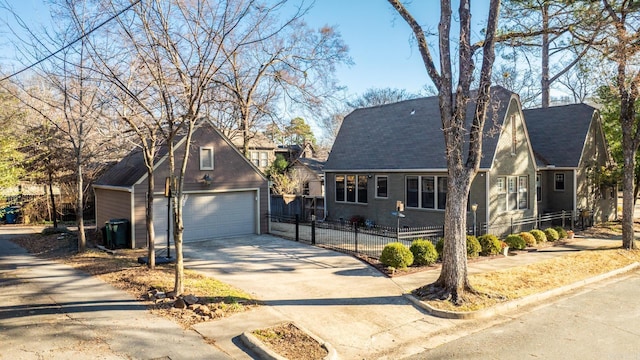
pixel 117 234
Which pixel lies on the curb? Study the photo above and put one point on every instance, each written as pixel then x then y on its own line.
pixel 263 352
pixel 514 304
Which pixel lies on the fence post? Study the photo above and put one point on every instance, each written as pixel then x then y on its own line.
pixel 512 225
pixel 356 238
pixel 573 219
pixel 563 212
pixel 297 227
pixel 313 230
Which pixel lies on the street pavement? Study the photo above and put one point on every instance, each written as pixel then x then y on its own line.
pixel 598 322
pixel 49 310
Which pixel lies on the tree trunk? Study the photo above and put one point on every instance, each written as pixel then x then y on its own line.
pixel 629 154
pixel 53 202
pixel 151 251
pixel 453 279
pixel 82 239
pixel 545 84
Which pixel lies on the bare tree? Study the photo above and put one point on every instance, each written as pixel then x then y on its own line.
pixel 294 64
pixel 545 29
pixel 63 90
pixel 453 281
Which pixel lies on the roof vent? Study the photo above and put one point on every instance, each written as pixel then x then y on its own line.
pixel 413 111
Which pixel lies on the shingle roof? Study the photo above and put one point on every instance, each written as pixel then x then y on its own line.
pixel 407 135
pixel 129 170
pixel 315 165
pixel 558 133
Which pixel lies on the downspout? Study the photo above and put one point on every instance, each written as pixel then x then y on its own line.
pixel 269 206
pixel 575 192
pixel 133 220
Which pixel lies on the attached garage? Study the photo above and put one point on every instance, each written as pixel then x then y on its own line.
pixel 211 215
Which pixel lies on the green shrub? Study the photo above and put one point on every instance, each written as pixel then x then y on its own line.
pixel 551 234
pixel 539 235
pixel 528 238
pixel 473 246
pixel 52 230
pixel 440 247
pixel 490 245
pixel 515 242
pixel 424 253
pixel 562 233
pixel 396 255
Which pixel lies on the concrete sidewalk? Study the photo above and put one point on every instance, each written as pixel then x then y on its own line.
pixel 360 312
pixel 49 310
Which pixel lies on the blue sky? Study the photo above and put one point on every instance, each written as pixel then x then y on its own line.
pixel 379 40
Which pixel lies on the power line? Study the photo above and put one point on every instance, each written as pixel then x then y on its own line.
pixel 73 42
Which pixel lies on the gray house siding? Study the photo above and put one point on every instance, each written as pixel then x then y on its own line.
pixel 554 199
pixel 512 172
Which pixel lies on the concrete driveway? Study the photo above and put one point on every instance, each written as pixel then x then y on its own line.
pixel 349 304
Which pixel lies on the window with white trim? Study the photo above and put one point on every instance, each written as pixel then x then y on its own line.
pixel 351 188
pixel 382 190
pixel 206 158
pixel 512 193
pixel 426 192
pixel 264 159
pixel 255 158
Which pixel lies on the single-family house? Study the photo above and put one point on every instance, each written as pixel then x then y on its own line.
pixel 224 192
pixel 394 153
pixel 571 152
pixel 261 149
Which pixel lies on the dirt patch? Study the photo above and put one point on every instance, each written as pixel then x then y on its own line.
pixel 290 342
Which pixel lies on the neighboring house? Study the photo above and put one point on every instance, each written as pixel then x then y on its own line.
pixel 395 152
pixel 309 167
pixel 224 193
pixel 261 150
pixel 570 149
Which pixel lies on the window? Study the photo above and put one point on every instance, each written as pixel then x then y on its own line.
pixel 206 158
pixel 412 191
pixel 340 187
pixel 442 192
pixel 512 193
pixel 501 190
pixel 538 188
pixel 559 182
pixel 513 196
pixel 523 192
pixel 362 189
pixel 381 187
pixel 264 159
pixel 352 188
pixel 426 192
pixel 305 188
pixel 254 158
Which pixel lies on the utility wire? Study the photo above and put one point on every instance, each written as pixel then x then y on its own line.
pixel 73 42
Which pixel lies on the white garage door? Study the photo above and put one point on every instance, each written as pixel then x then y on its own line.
pixel 208 216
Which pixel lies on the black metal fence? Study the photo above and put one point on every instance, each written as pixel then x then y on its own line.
pixel 349 237
pixel 367 239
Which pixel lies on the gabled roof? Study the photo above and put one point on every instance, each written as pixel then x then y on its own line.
pixel 257 141
pixel 131 169
pixel 558 133
pixel 408 135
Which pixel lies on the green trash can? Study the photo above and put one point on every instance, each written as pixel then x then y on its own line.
pixel 117 233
